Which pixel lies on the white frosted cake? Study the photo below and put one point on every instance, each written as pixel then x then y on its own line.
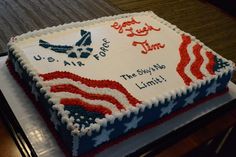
pixel 99 80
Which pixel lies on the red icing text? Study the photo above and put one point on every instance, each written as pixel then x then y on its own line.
pixel 141 32
pixel 134 28
pixel 147 47
pixel 120 27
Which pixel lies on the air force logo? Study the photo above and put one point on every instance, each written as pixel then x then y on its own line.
pixel 81 49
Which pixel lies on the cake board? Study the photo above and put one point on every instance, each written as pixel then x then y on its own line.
pixel 35 139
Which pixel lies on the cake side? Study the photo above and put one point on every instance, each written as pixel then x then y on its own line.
pixel 75 144
pixel 110 125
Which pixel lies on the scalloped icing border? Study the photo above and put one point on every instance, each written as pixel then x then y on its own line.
pixel 154 102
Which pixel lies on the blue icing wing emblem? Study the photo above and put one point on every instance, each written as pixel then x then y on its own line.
pixel 81 49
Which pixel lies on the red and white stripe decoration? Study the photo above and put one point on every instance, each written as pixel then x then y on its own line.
pixel 102 96
pixel 195 63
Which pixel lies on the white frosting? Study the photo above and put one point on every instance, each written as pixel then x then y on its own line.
pixel 121 58
pixel 57 97
pixel 205 61
pixel 191 55
pixel 117 61
pixel 119 96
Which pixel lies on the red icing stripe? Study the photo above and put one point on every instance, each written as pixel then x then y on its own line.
pixel 211 63
pixel 184 59
pixel 86 106
pixel 91 83
pixel 195 67
pixel 73 89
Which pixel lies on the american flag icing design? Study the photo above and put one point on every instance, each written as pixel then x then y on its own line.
pixel 195 63
pixel 100 96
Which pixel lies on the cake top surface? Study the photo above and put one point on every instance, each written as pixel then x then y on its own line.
pixel 116 64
